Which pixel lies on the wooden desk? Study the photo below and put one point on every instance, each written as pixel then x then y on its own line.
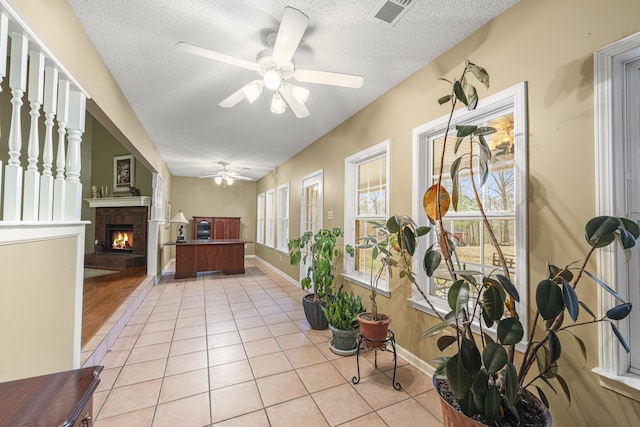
pixel 61 399
pixel 196 256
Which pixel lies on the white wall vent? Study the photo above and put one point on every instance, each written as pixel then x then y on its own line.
pixel 390 11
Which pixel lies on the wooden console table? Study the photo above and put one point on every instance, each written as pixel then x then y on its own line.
pixel 61 399
pixel 196 256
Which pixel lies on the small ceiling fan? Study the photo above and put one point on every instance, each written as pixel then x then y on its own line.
pixel 276 66
pixel 226 177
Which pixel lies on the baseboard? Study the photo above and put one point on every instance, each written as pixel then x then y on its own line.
pixel 416 362
pixel 280 272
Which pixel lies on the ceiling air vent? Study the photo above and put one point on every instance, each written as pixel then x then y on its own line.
pixel 390 11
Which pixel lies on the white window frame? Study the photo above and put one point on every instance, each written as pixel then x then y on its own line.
pixel 612 199
pixel 260 219
pixel 351 164
pixel 270 225
pixel 513 99
pixel 315 179
pixel 283 218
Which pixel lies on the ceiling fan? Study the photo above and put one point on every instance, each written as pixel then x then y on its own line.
pixel 226 177
pixel 276 66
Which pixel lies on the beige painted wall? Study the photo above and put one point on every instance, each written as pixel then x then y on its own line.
pixel 549 44
pixel 37 307
pixel 202 197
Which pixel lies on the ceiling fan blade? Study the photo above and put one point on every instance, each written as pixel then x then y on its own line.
pixel 241 178
pixel 209 176
pixel 233 99
pixel 216 56
pixel 293 25
pixel 328 78
pixel 298 108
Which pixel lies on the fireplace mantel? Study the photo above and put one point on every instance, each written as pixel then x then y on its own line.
pixel 116 202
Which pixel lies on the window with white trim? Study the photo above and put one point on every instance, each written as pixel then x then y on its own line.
pixel 366 204
pixel 617 107
pixel 283 218
pixel 260 219
pixel 270 224
pixel 503 195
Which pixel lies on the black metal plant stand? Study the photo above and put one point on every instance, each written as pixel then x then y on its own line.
pixel 369 343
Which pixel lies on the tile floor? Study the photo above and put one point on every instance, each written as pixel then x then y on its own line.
pixel 236 351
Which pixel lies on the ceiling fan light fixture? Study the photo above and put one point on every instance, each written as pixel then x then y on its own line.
pixel 272 80
pixel 218 180
pixel 252 91
pixel 300 94
pixel 277 104
pixel 229 180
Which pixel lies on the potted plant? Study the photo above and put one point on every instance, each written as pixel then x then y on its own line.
pixel 320 250
pixel 480 376
pixel 341 311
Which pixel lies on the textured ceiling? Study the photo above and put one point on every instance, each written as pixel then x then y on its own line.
pixel 176 95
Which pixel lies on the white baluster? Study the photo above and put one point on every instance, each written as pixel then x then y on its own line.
pixel 49 107
pixel 31 196
pixel 4 36
pixel 13 171
pixel 59 187
pixel 77 109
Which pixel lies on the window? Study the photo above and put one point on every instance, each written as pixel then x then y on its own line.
pixel 366 203
pixel 310 211
pixel 260 219
pixel 617 100
pixel 283 217
pixel 270 224
pixel 503 195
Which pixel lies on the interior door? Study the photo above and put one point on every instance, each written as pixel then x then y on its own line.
pixel 311 209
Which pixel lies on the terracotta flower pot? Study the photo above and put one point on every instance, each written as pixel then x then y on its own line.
pixel 374 331
pixel 451 417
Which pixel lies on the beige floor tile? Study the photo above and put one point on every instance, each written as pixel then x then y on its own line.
pixel 320 377
pixel 230 374
pixel 130 398
pixel 269 364
pixel 138 319
pixel 296 315
pixel 241 314
pixel 272 319
pixel 249 322
pixel 162 325
pixel 385 359
pixel 108 377
pixel 378 391
pixel 318 337
pixel 431 402
pixel 115 358
pixel 341 404
pixel 285 328
pixel 327 352
pixel 349 369
pixel 98 400
pixel 190 411
pixel 230 353
pixel 303 325
pixel 186 362
pixel 222 326
pixel 220 307
pixel 294 413
pixel 370 420
pixel 235 400
pixel 279 388
pixel 290 341
pixel 154 338
pixel 184 385
pixel 190 345
pixel 411 379
pixel 190 332
pixel 408 413
pixel 191 321
pixel 269 309
pixel 304 356
pixel 141 372
pixel 191 312
pixel 149 352
pixel 290 307
pixel 260 347
pixel 139 418
pixel 238 306
pixel 254 419
pixel 163 315
pixel 265 303
pixel 131 330
pixel 223 339
pixel 253 334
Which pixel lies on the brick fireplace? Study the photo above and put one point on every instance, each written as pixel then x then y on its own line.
pixel 121 233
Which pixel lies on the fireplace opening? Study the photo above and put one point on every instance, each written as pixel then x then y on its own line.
pixel 121 238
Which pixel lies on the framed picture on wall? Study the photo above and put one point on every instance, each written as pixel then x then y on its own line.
pixel 123 173
pixel 167 215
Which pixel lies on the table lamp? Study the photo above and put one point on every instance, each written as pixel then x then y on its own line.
pixel 180 219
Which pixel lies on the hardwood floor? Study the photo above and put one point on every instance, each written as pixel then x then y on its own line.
pixel 104 294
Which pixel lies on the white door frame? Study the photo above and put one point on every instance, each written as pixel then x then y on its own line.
pixel 314 179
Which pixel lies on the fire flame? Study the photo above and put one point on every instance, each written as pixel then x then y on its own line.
pixel 123 240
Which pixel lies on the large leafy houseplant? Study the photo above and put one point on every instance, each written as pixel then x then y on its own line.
pixel 342 310
pixel 481 372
